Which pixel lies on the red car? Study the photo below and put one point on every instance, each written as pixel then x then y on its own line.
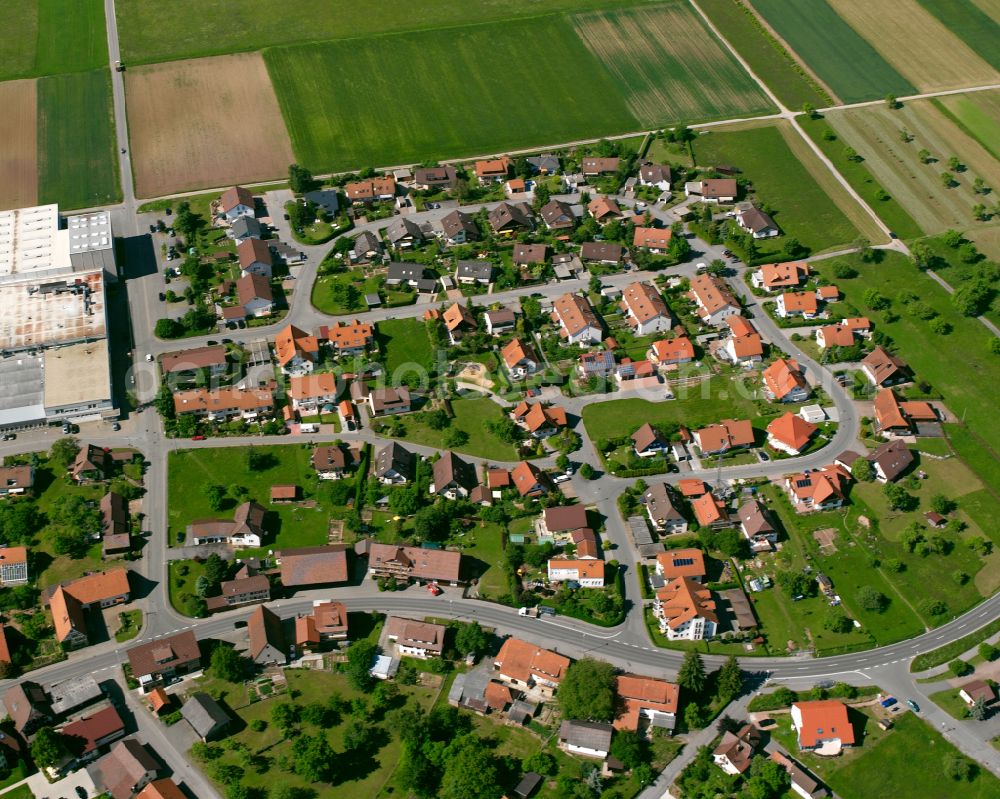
pixel 433 588
pixel 197 438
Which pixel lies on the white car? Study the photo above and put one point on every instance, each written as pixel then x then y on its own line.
pixel 560 478
pixel 149 356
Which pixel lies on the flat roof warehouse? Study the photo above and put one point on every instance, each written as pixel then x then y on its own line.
pixel 54 359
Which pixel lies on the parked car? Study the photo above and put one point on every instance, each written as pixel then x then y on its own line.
pixel 115 426
pixel 9 436
pixel 889 701
pixel 913 705
pixel 197 438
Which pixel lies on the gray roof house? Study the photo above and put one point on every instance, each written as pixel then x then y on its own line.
pixel 243 228
pixel 403 232
pixel 367 247
pixel 325 199
pixel 205 715
pixel 394 464
pixel 544 164
pixel 458 227
pixel 587 738
pixel 474 272
pixel 400 272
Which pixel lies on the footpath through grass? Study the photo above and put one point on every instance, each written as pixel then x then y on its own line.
pixel 861 179
pixel 766 56
pixel 77 167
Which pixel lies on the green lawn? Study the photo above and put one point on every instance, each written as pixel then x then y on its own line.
pixel 131 625
pixel 705 403
pixel 971 450
pixel 890 762
pixel 365 776
pixel 862 180
pixel 471 415
pixel 766 56
pixel 964 382
pixel 971 24
pixel 833 49
pixel 956 272
pixel 951 703
pixel 48 37
pixel 21 792
pixel 206 27
pixel 441 86
pixel 404 343
pixel 183 576
pixel 77 167
pixel 190 471
pixel 484 545
pixel 801 207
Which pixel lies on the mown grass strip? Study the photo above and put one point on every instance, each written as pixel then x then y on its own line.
pixel 948 652
pixel 767 57
pixel 970 24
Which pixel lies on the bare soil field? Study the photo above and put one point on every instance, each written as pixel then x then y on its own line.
pixel 916 43
pixel 664 75
pixel 19 152
pixel 875 134
pixel 202 123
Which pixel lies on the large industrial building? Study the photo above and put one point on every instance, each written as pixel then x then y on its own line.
pixel 54 360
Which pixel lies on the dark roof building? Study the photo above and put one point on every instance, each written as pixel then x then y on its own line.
pixel 394 463
pixel 28 706
pixel 205 715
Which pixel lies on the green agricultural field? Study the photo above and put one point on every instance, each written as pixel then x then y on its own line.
pixel 190 471
pixel 670 77
pixel 705 403
pixel 77 167
pixel 803 208
pixel 404 342
pixel 956 272
pixel 963 382
pixel 766 56
pixel 195 28
pixel 472 416
pixel 976 113
pixel 49 37
pixel 441 94
pixel 833 50
pixel 862 181
pixel 970 24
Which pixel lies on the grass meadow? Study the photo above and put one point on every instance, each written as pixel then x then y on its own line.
pixel 802 207
pixel 976 113
pixel 857 173
pixel 472 414
pixel 196 28
pixel 841 57
pixel 767 57
pixel 190 471
pixel 462 91
pixel 874 133
pixel 77 167
pixel 49 37
pixel 963 381
pixel 404 342
pixel 666 77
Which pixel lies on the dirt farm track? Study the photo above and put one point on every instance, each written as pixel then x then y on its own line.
pixel 18 144
pixel 204 122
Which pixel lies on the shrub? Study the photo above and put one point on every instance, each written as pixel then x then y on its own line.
pixel 959 667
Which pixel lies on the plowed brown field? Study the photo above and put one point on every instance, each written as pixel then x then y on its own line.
pixel 19 148
pixel 203 123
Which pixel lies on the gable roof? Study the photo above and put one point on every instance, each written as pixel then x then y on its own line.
pixel 253 251
pixel 688 562
pixel 726 434
pixel 510 214
pixel 708 509
pixel 673 349
pixel 557 213
pixel 783 275
pixel 892 458
pixel 514 351
pixel 165 652
pixel 236 195
pixel 313 565
pixel 683 599
pixel 594 735
pixel 783 376
pixel 800 302
pixel 423 564
pixel 264 627
pixel 254 286
pixel 644 303
pixel 203 713
pixel 575 313
pixel 290 342
pixel 125 766
pixel 528 478
pixel 527 254
pixel 754 219
pixel 601 251
pixel 884 365
pixel 660 504
pixel 646 436
pixel 564 518
pixel 755 518
pixel 712 295
pixel 395 457
pixel 458 316
pixel 652 237
pixel 450 468
pixel 520 660
pixel 457 222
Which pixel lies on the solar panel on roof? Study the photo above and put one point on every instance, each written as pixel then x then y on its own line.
pixel 683 561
